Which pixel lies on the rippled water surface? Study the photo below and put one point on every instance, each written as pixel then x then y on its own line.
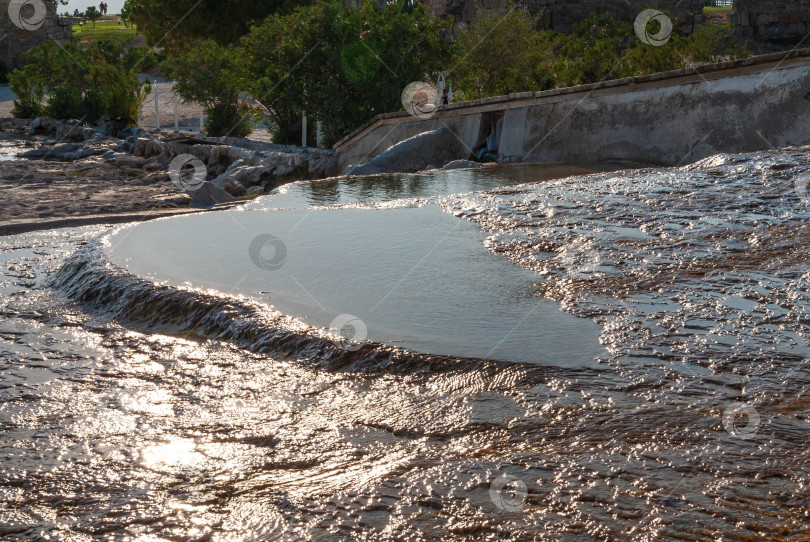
pixel 130 410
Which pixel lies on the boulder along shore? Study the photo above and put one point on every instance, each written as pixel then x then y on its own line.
pixel 63 173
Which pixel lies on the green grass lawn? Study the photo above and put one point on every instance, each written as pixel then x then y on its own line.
pixel 103 29
pixel 722 8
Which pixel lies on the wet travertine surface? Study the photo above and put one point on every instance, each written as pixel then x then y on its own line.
pixel 126 414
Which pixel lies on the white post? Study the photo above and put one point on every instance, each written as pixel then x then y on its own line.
pixel 176 119
pixel 202 119
pixel 304 129
pixel 157 107
pixel 318 134
pixel 440 86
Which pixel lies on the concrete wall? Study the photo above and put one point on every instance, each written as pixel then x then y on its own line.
pixel 16 41
pixel 772 19
pixel 662 119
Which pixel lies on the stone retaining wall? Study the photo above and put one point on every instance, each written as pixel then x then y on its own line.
pixel 561 15
pixel 772 19
pixel 15 41
pixel 661 119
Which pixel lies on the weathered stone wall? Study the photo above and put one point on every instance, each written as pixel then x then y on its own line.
pixel 771 19
pixel 561 15
pixel 14 41
pixel 665 118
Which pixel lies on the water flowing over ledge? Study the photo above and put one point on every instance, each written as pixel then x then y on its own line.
pixel 698 276
pixel 90 279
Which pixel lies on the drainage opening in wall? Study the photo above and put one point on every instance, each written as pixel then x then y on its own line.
pixel 489 137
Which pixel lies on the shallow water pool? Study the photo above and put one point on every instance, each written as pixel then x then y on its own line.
pixel 415 277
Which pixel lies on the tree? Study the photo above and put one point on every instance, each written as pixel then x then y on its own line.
pixel 499 54
pixel 70 81
pixel 126 14
pixel 92 13
pixel 340 66
pixel 206 75
pixel 177 24
pixel 53 5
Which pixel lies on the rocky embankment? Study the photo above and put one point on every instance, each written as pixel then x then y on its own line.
pixel 60 173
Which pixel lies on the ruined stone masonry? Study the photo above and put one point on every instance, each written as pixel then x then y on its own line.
pixel 14 41
pixel 771 19
pixel 561 15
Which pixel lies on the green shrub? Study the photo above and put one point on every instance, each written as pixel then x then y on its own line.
pixel 30 90
pixel 206 75
pixel 714 42
pixel 175 24
pixel 88 83
pixel 340 66
pixel 513 57
pixel 499 54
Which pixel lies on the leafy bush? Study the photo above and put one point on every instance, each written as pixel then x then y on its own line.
pixel 175 24
pixel 499 54
pixel 206 75
pixel 714 42
pixel 89 83
pixel 92 14
pixel 29 88
pixel 340 66
pixel 513 57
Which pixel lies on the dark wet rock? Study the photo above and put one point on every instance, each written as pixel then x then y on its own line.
pixel 65 152
pixel 128 160
pixel 415 154
pixel 235 188
pixel 208 195
pixel 239 173
pixel 8 124
pixel 255 191
pixel 35 154
pixel 130 132
pixel 155 164
pixel 43 126
pixel 170 200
